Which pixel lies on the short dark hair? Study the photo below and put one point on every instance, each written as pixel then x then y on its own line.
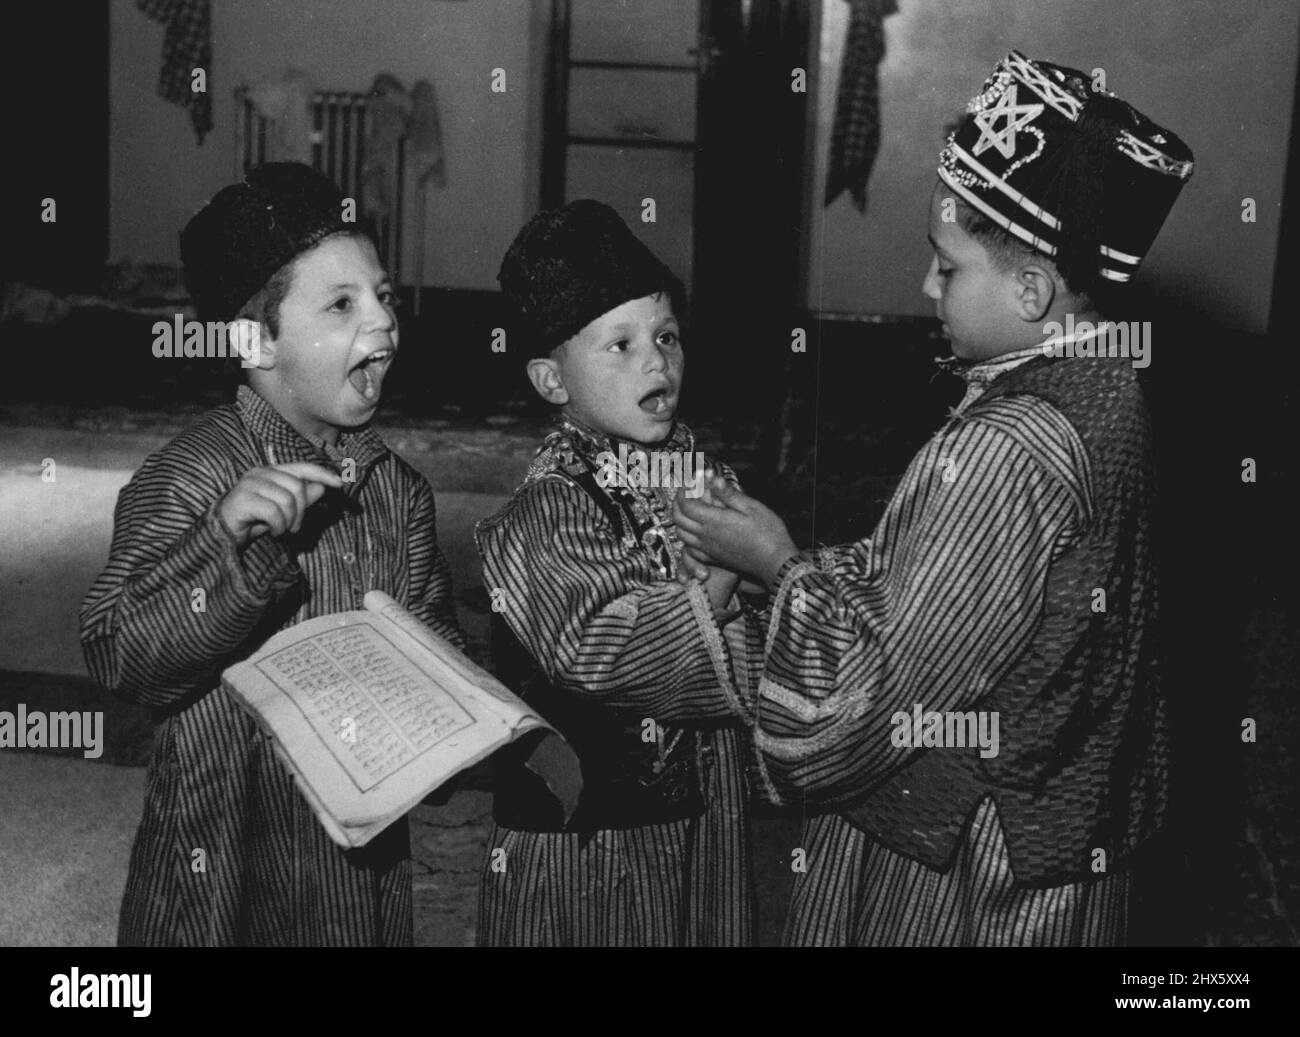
pixel 1005 250
pixel 1003 247
pixel 264 307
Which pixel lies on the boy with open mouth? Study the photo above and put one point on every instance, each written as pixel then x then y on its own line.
pixel 279 507
pixel 647 676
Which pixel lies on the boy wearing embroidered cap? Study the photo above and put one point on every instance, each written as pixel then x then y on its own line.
pixel 280 507
pixel 1010 578
pixel 648 676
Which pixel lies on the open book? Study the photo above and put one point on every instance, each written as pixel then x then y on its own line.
pixel 371 711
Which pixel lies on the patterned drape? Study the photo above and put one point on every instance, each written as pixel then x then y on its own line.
pixel 855 138
pixel 187 45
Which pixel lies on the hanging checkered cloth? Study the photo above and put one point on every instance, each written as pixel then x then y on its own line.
pixel 855 138
pixel 187 45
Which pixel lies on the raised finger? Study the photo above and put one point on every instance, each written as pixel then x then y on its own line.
pixel 310 471
pixel 296 487
pixel 315 491
pixel 282 499
pixel 268 510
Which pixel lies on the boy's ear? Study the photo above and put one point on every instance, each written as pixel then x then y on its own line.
pixel 1035 291
pixel 251 342
pixel 544 373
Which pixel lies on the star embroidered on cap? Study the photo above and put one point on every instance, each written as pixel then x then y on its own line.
pixel 1017 116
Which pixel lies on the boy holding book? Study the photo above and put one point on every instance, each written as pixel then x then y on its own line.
pixel 279 507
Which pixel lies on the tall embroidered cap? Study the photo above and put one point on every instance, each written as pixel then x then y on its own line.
pixel 247 231
pixel 1075 173
pixel 571 264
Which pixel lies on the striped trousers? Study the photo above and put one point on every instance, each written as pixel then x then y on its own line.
pixel 680 883
pixel 857 893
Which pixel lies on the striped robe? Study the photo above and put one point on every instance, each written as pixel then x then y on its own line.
pixel 228 851
pixel 605 619
pixel 932 609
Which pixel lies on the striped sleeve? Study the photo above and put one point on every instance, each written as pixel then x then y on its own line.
pixel 933 609
pixel 142 630
pixel 430 584
pixel 596 618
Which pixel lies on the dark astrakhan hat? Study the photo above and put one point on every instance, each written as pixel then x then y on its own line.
pixel 1055 162
pixel 569 265
pixel 249 230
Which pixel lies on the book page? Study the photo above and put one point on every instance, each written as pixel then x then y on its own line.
pixel 373 711
pixel 369 703
pixel 447 656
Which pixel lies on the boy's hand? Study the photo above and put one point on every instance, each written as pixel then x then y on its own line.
pixel 741 534
pixel 694 567
pixel 274 499
pixel 720 585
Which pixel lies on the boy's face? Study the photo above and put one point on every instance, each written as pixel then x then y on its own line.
pixel 622 373
pixel 338 337
pixel 972 296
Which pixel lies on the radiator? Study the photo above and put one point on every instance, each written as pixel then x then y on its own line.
pixel 338 139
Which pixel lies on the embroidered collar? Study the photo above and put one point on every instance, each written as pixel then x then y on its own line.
pixel 283 443
pixel 590 444
pixel 575 449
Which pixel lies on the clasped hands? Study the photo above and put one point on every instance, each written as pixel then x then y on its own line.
pixel 729 538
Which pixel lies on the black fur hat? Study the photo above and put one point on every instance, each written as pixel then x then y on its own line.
pixel 569 265
pixel 249 230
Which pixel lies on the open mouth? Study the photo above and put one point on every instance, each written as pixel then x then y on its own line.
pixel 367 377
pixel 657 403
